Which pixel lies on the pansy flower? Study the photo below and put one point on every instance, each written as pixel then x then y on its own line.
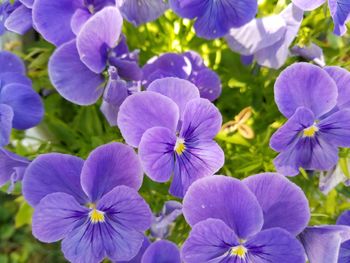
pixel 92 205
pixel 253 221
pixel 16 16
pixel 214 18
pixel 12 168
pixel 344 253
pixel 98 46
pixel 315 101
pixel 325 244
pixel 174 129
pixel 189 66
pixel 267 39
pixel 20 106
pixel 340 11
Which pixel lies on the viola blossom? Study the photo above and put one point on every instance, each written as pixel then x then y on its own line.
pixel 267 39
pixel 254 220
pixel 163 221
pixel 16 16
pixel 214 18
pixel 92 205
pixel 344 254
pixel 189 66
pixel 98 46
pixel 174 129
pixel 325 244
pixel 310 52
pixel 12 168
pixel 142 11
pixel 340 12
pixel 316 103
pixel 20 106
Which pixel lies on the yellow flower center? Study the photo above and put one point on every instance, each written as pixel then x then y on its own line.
pixel 180 146
pixel 96 216
pixel 239 251
pixel 310 132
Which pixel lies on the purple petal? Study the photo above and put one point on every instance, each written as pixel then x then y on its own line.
pixel 257 34
pixel 209 241
pixel 188 8
pixel 20 20
pixel 290 131
pixel 305 85
pixel 342 78
pixel 162 251
pixel 99 33
pixel 208 83
pixel 11 63
pixel 284 204
pixel 108 166
pixel 335 129
pixel 330 179
pixel 140 12
pixel 79 18
pixel 322 243
pixel 201 120
pixel 27 3
pixel 26 105
pixel 224 198
pixel 6 117
pixel 340 11
pixel 344 219
pixel 10 164
pixel 307 5
pixel 13 77
pixel 139 255
pixel 144 110
pixel 52 19
pixel 127 69
pixel 179 90
pixel 55 216
pixel 156 151
pixel 51 173
pixel 220 16
pixel 312 52
pixel 84 87
pixel 275 245
pixel 200 159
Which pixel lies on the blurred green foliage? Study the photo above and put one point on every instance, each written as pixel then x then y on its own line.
pixel 77 130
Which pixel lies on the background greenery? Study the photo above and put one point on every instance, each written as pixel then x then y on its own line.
pixel 68 128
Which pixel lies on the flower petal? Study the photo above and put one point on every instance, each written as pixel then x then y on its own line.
pixel 201 120
pixel 275 245
pixel 52 19
pixel 162 251
pixel 208 83
pixel 79 18
pixel 72 79
pixel 108 166
pixel 20 20
pixel 156 151
pixel 284 204
pixel 6 117
pixel 188 8
pixel 209 241
pixel 9 162
pixel 144 110
pixel 13 77
pixel 179 90
pixel 56 215
pixel 340 11
pixel 311 52
pixel 224 198
pixel 305 85
pixel 322 243
pixel 11 63
pixel 307 5
pixel 99 33
pixel 51 173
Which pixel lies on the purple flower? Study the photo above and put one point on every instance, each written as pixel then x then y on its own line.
pixel 16 17
pixel 267 39
pixel 20 106
pixel 98 45
pixel 189 66
pixel 214 18
pixel 344 254
pixel 162 222
pixel 330 179
pixel 254 220
pixel 92 205
pixel 312 52
pixel 316 101
pixel 162 251
pixel 340 12
pixel 138 257
pixel 322 243
pixel 174 130
pixel 12 168
pixel 142 11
